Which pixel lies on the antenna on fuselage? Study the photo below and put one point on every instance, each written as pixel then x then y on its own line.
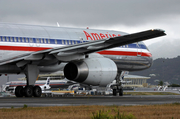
pixel 58 24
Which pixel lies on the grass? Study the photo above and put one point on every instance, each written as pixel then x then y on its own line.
pixel 94 112
pixel 101 114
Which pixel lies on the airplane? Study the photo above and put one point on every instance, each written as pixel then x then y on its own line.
pixel 10 86
pixel 46 85
pixel 88 56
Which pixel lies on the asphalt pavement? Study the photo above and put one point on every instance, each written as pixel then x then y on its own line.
pixel 8 102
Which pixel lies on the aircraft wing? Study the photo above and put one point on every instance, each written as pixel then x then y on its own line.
pixel 95 46
pixel 92 46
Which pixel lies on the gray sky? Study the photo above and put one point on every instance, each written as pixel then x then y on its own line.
pixel 124 15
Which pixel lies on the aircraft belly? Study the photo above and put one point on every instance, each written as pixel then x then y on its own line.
pixel 1 54
pixel 13 69
pixel 6 55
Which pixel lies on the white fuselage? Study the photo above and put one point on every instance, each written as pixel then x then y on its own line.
pixel 20 40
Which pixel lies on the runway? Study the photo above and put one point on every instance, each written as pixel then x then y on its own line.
pixel 8 102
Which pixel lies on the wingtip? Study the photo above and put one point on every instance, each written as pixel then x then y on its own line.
pixel 158 30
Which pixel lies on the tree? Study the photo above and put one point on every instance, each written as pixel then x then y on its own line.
pixel 174 85
pixel 161 83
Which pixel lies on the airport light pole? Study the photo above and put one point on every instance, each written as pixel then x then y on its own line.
pixel 7 77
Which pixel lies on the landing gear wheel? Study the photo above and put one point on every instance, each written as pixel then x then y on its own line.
pixel 114 92
pixel 37 91
pixel 19 91
pixel 28 91
pixel 120 92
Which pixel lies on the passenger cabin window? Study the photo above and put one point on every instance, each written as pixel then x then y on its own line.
pixel 3 38
pixel 11 39
pixel 41 40
pixel 37 40
pixel 31 40
pixel 62 42
pixel 23 40
pixel 19 40
pixel 7 39
pixel 55 41
pixel 15 39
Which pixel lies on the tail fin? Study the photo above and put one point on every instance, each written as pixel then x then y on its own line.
pixel 48 81
pixel 46 85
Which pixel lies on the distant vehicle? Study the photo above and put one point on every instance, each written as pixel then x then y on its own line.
pixel 162 88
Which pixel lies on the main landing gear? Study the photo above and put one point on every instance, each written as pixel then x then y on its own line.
pixel 28 91
pixel 117 88
pixel 31 72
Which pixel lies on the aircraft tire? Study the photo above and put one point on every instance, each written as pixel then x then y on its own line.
pixel 19 91
pixel 28 91
pixel 114 92
pixel 120 92
pixel 37 91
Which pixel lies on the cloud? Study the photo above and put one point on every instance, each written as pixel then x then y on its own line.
pixel 85 12
pixel 129 16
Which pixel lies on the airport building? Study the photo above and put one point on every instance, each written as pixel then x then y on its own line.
pixel 136 81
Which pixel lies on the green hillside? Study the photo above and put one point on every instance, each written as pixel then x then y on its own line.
pixel 166 70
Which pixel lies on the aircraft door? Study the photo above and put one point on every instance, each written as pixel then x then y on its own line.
pixel 80 36
pixel 139 50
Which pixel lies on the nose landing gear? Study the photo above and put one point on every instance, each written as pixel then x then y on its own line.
pixel 118 87
pixel 118 90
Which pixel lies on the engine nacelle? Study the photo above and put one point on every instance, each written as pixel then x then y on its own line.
pixel 91 71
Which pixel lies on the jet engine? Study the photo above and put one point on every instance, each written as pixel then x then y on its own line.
pixel 91 71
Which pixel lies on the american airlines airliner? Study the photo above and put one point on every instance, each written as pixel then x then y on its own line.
pixel 88 56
